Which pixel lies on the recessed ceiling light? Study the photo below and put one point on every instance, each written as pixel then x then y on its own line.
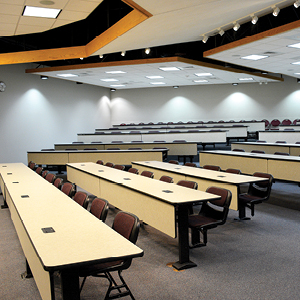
pixel 200 81
pixel 157 83
pixel 296 63
pixel 169 69
pixel 294 45
pixel 115 72
pixel 109 79
pixel 203 74
pixel 117 85
pixel 67 75
pixel 254 57
pixel 42 12
pixel 154 77
pixel 297 73
pixel 246 79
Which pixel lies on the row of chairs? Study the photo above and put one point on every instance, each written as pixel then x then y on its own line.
pixel 124 223
pixel 261 152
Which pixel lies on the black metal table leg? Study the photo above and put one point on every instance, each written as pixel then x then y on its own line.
pixel 70 284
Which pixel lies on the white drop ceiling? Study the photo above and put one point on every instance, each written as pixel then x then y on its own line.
pixel 173 21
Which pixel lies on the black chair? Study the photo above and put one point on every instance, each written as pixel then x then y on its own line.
pixel 99 208
pixel 257 193
pixel 127 225
pixel 69 189
pixel 81 198
pixel 147 174
pixel 166 178
pixel 212 167
pixel 212 214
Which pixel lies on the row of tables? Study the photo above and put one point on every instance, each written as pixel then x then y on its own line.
pixel 55 232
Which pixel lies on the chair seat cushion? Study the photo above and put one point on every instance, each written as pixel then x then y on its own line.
pixel 246 198
pixel 202 221
pixel 99 268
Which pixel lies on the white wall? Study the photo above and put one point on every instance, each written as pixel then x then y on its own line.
pixel 36 114
pixel 208 102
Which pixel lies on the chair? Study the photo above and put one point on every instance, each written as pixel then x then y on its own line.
pixel 212 214
pixel 189 164
pixel 69 189
pixel 100 162
pixel 260 141
pixel 109 164
pixel 39 170
pixel 44 173
pixel 175 162
pixel 189 184
pixel 133 170
pixel 115 148
pixel 31 165
pixel 212 167
pixel 82 199
pixel 275 122
pixel 58 183
pixel 280 142
pixel 135 148
pixel 257 193
pixel 119 167
pixel 128 226
pixel 267 123
pixel 147 174
pixel 50 177
pixel 258 151
pixel 99 208
pixel 166 178
pixel 286 122
pixel 281 153
pixel 233 171
pixel 238 150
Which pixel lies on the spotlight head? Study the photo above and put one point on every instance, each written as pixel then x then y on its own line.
pixel 175 86
pixel 276 11
pixel 236 26
pixel 297 3
pixel 235 84
pixel 101 55
pixel 204 39
pixel 298 80
pixel 147 50
pixel 123 53
pixel 254 20
pixel 112 90
pixel 221 32
pixel 44 77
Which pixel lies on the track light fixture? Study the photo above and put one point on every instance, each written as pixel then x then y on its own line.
pixel 123 53
pixel 221 31
pixel 254 20
pixel 276 11
pixel 101 55
pixel 112 90
pixel 204 39
pixel 297 3
pixel 236 26
pixel 298 80
pixel 147 50
pixel 44 77
pixel 235 84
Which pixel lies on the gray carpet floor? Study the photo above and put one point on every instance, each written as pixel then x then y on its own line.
pixel 255 259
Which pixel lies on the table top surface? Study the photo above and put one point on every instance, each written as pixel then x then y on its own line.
pixel 267 144
pixel 39 205
pixel 255 155
pixel 200 172
pixel 167 192
pixel 99 151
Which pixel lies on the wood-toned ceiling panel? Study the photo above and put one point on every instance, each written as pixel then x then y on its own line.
pixel 81 5
pixel 11 9
pixel 12 2
pixel 8 30
pixel 72 15
pixel 27 29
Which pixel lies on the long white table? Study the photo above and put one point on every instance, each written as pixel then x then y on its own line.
pixel 271 136
pixel 55 232
pixel 204 178
pixel 280 166
pixel 155 202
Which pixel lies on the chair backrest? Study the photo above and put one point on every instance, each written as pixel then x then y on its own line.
pixel 190 164
pixel 31 165
pixel 174 162
pixel 275 122
pixel 81 198
pixel 166 178
pixel 280 142
pixel 50 177
pixel 109 164
pixel 44 173
pixel 212 167
pixel 69 189
pixel 188 184
pixel 133 170
pixel 114 148
pixel 219 208
pixel 261 189
pixel 238 150
pixel 233 171
pixel 119 167
pixel 147 174
pixel 258 151
pixel 281 153
pixel 100 162
pixel 127 225
pixel 39 170
pixel 99 208
pixel 58 183
pixel 260 141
